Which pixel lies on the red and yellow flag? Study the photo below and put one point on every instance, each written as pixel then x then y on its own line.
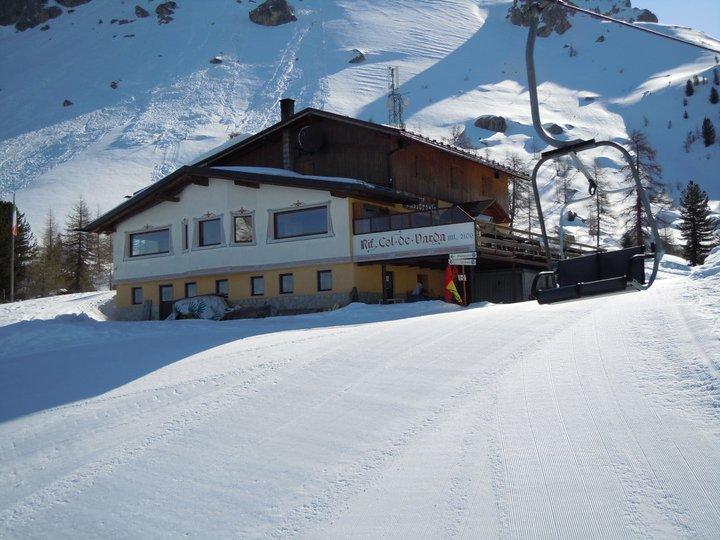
pixel 451 292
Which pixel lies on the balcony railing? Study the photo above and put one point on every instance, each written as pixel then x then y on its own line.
pixel 411 220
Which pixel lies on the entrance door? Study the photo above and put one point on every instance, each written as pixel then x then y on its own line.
pixel 166 301
pixel 388 286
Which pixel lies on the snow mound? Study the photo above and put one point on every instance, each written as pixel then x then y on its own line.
pixel 710 268
pixel 81 307
pixel 672 265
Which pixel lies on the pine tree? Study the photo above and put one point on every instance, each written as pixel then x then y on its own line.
pixel 689 90
pixel 696 226
pixel 714 98
pixel 101 256
pixel 708 132
pixel 520 189
pixel 600 215
pixel 46 270
pixel 644 155
pixel 564 176
pixel 716 77
pixel 77 249
pixel 24 251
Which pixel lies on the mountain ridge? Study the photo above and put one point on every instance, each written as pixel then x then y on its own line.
pixel 147 99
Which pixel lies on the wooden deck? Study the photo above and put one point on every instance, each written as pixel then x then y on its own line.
pixel 499 242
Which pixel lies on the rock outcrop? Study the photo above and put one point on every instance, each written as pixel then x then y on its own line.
pixel 26 14
pixel 164 12
pixel 141 13
pixel 273 13
pixel 491 122
pixel 358 58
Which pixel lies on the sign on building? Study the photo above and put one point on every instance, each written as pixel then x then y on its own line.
pixel 463 259
pixel 438 240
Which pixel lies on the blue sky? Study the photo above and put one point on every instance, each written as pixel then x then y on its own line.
pixel 701 14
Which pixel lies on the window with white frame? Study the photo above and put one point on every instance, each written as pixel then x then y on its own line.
pixel 210 232
pixel 300 222
pixel 149 243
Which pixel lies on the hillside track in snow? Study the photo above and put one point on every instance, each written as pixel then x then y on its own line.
pixel 595 418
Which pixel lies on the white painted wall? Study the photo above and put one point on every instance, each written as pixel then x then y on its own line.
pixel 224 197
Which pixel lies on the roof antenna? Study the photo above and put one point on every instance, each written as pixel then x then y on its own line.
pixel 395 102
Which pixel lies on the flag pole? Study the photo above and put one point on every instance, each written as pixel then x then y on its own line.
pixel 13 232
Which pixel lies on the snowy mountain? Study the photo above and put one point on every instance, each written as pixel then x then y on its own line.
pixel 101 100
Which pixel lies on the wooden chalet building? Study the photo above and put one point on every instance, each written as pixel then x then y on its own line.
pixel 316 211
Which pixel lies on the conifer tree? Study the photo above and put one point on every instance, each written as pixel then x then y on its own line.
pixel 696 226
pixel 714 98
pixel 600 215
pixel 101 256
pixel 644 155
pixel 708 132
pixel 520 190
pixel 689 90
pixel 716 77
pixel 24 251
pixel 47 268
pixel 77 249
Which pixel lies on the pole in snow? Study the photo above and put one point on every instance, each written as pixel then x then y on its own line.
pixel 13 234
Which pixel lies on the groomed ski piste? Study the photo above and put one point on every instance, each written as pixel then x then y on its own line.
pixel 593 418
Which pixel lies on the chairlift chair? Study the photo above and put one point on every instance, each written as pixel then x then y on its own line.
pixel 596 273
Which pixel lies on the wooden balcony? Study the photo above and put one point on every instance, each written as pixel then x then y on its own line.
pixel 503 243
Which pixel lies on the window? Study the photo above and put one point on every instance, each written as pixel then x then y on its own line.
pixel 257 285
pixel 137 295
pixel 150 243
pixel 222 287
pixel 302 222
pixel 286 283
pixel 324 280
pixel 190 289
pixel 210 232
pixel 185 240
pixel 166 293
pixel 242 229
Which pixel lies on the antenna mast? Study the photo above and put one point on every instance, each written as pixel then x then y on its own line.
pixel 395 101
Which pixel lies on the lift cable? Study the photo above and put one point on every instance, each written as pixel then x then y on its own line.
pixel 564 4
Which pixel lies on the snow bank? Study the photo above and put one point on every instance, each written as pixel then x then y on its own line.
pixel 710 268
pixel 672 266
pixel 81 307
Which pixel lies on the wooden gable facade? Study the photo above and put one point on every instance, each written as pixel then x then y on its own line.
pixel 316 142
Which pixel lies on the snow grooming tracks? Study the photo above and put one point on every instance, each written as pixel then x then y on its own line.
pixel 359 486
pixel 193 411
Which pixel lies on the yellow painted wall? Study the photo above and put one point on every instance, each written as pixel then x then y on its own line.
pixel 345 277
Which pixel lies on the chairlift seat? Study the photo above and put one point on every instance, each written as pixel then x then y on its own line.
pixel 594 274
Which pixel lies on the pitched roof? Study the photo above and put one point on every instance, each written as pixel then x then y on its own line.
pixel 227 149
pixel 170 187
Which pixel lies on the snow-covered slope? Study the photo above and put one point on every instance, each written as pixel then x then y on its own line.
pixel 458 59
pixel 590 419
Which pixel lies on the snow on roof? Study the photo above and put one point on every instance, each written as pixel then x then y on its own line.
pixel 291 174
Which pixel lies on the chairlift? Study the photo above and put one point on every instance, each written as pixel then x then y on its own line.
pixel 598 273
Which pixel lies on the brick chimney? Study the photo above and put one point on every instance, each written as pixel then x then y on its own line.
pixel 287 110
